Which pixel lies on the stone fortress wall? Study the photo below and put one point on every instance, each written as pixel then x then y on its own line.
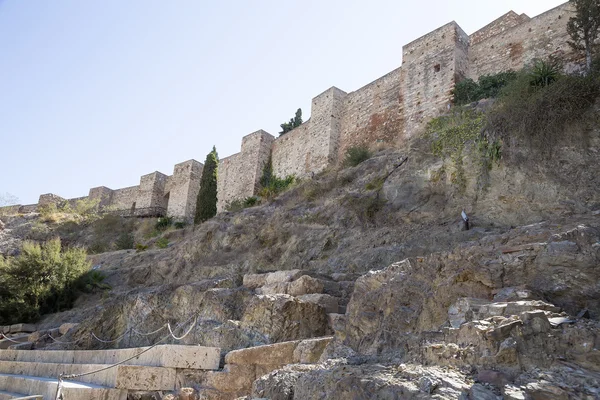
pixel 385 112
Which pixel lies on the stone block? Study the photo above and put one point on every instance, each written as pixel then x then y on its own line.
pixel 64 328
pixel 254 281
pixel 272 354
pixel 329 303
pixel 273 288
pixel 21 346
pixel 27 328
pixel 282 276
pixel 305 285
pixel 134 377
pixel 309 351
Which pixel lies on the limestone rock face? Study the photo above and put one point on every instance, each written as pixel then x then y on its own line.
pixel 282 317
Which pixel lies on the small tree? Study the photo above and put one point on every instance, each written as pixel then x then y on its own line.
pixel 294 123
pixel 7 199
pixel 206 205
pixel 584 28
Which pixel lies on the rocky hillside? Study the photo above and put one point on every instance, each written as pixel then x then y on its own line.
pixel 377 257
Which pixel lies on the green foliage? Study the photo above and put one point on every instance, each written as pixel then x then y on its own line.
pixel 206 205
pixel 162 243
pixel 163 223
pixel 294 123
pixel 179 225
pixel 537 115
pixel 267 173
pixel 277 186
pixel 92 281
pixel 240 204
pixel 270 185
pixel 488 86
pixel 544 73
pixel 584 28
pixel 356 155
pixel 48 212
pixel 451 133
pixel 140 247
pixel 87 208
pixel 42 279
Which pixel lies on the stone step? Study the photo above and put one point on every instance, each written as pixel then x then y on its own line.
pixel 47 387
pixel 169 356
pixel 6 343
pixel 130 377
pixel 13 396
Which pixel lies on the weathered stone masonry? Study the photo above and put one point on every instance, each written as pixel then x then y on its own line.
pixel 385 112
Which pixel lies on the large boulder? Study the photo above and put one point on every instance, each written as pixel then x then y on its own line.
pixel 283 317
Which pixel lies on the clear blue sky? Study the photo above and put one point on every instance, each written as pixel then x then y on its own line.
pixel 98 93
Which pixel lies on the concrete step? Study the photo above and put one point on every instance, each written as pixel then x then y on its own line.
pixel 169 356
pixel 14 396
pixel 47 387
pixel 130 377
pixel 6 343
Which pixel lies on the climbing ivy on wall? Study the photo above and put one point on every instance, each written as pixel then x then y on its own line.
pixel 206 205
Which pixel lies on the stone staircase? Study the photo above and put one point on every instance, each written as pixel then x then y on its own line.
pixel 35 372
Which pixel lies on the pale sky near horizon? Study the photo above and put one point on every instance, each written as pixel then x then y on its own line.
pixel 98 93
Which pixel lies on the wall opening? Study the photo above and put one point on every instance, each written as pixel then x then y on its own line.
pixel 437 68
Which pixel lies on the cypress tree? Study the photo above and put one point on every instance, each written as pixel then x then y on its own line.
pixel 206 205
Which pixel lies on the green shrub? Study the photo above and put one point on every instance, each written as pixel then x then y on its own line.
pixel 277 186
pixel 537 115
pixel 140 247
pixel 544 73
pixel 488 86
pixel 163 223
pixel 250 201
pixel 41 279
pixel 356 155
pixel 91 282
pixel 48 212
pixel 162 243
pixel 179 225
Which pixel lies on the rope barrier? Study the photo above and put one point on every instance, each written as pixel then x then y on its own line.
pixel 60 341
pixel 9 339
pixel 62 377
pixel 110 341
pixel 149 333
pixel 186 333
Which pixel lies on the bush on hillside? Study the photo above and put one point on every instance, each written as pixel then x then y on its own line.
pixel 356 155
pixel 42 279
pixel 535 111
pixel 488 86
